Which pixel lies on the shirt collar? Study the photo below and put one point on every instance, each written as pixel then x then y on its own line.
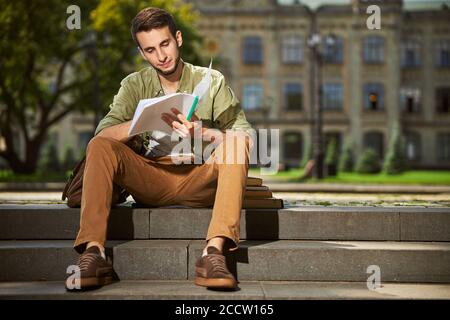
pixel 182 85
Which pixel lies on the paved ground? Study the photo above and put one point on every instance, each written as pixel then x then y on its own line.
pixel 247 290
pixel 291 198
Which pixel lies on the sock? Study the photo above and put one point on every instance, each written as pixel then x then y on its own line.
pixel 204 252
pixel 102 251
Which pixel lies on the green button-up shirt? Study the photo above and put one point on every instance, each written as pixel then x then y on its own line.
pixel 219 109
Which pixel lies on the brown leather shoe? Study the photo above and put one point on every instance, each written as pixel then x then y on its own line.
pixel 211 271
pixel 94 270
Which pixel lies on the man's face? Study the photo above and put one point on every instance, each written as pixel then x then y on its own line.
pixel 160 49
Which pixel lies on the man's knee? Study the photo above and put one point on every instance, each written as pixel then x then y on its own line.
pixel 99 143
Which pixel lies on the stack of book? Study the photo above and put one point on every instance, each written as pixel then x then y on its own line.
pixel 258 196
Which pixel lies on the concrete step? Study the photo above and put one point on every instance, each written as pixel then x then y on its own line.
pixel 296 223
pixel 282 260
pixel 248 290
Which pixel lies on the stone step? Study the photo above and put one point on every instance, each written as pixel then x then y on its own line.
pixel 248 290
pixel 296 223
pixel 282 260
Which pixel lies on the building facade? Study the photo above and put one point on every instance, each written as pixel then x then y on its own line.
pixel 371 80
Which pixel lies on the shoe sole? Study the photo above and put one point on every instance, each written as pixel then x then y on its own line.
pixel 221 283
pixel 86 283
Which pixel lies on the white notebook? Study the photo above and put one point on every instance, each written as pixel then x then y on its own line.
pixel 148 114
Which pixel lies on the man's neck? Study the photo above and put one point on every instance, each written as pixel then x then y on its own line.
pixel 171 82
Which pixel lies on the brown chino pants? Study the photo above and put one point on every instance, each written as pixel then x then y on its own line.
pixel 159 182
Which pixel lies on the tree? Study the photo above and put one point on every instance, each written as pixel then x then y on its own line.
pixel 346 158
pixel 368 162
pixel 307 154
pixel 48 71
pixel 395 159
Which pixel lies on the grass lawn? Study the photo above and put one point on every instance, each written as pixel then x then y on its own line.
pixel 410 177
pixel 9 176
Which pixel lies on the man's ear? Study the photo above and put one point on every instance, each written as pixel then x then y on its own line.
pixel 179 38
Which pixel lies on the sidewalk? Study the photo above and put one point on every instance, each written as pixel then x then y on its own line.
pixel 290 198
pixel 274 185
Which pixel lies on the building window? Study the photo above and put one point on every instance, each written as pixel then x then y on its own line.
pixel 253 51
pixel 332 96
pixel 443 146
pixel 413 146
pixel 374 96
pixel 410 100
pixel 443 100
pixel 443 53
pixel 293 96
pixel 410 54
pixel 373 49
pixel 253 95
pixel 333 50
pixel 293 146
pixel 374 140
pixel 292 49
pixel 83 139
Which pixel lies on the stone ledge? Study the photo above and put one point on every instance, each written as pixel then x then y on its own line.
pixel 248 290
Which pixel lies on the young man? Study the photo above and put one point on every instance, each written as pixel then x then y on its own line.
pixel 152 179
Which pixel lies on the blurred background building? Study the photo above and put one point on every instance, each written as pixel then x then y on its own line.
pixel 371 80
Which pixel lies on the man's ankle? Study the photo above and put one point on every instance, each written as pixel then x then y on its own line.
pixel 99 246
pixel 217 242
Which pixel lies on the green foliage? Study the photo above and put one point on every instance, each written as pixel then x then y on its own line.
pixel 346 158
pixel 307 153
pixel 395 159
pixel 50 161
pixel 69 159
pixel 48 71
pixel 368 162
pixel 332 154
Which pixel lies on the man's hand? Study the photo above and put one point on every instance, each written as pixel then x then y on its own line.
pixel 185 128
pixel 180 124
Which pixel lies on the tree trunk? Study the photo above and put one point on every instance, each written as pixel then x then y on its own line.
pixel 28 166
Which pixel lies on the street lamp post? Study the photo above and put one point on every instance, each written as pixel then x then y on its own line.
pixel 316 58
pixel 314 42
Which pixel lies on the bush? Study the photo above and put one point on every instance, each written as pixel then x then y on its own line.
pixel 395 159
pixel 50 160
pixel 346 159
pixel 332 155
pixel 331 158
pixel 69 159
pixel 368 162
pixel 307 154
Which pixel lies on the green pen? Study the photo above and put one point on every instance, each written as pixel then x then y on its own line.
pixel 191 111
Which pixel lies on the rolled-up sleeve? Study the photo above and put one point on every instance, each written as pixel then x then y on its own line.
pixel 123 106
pixel 227 111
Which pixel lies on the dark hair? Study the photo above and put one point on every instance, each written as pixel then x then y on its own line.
pixel 152 18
